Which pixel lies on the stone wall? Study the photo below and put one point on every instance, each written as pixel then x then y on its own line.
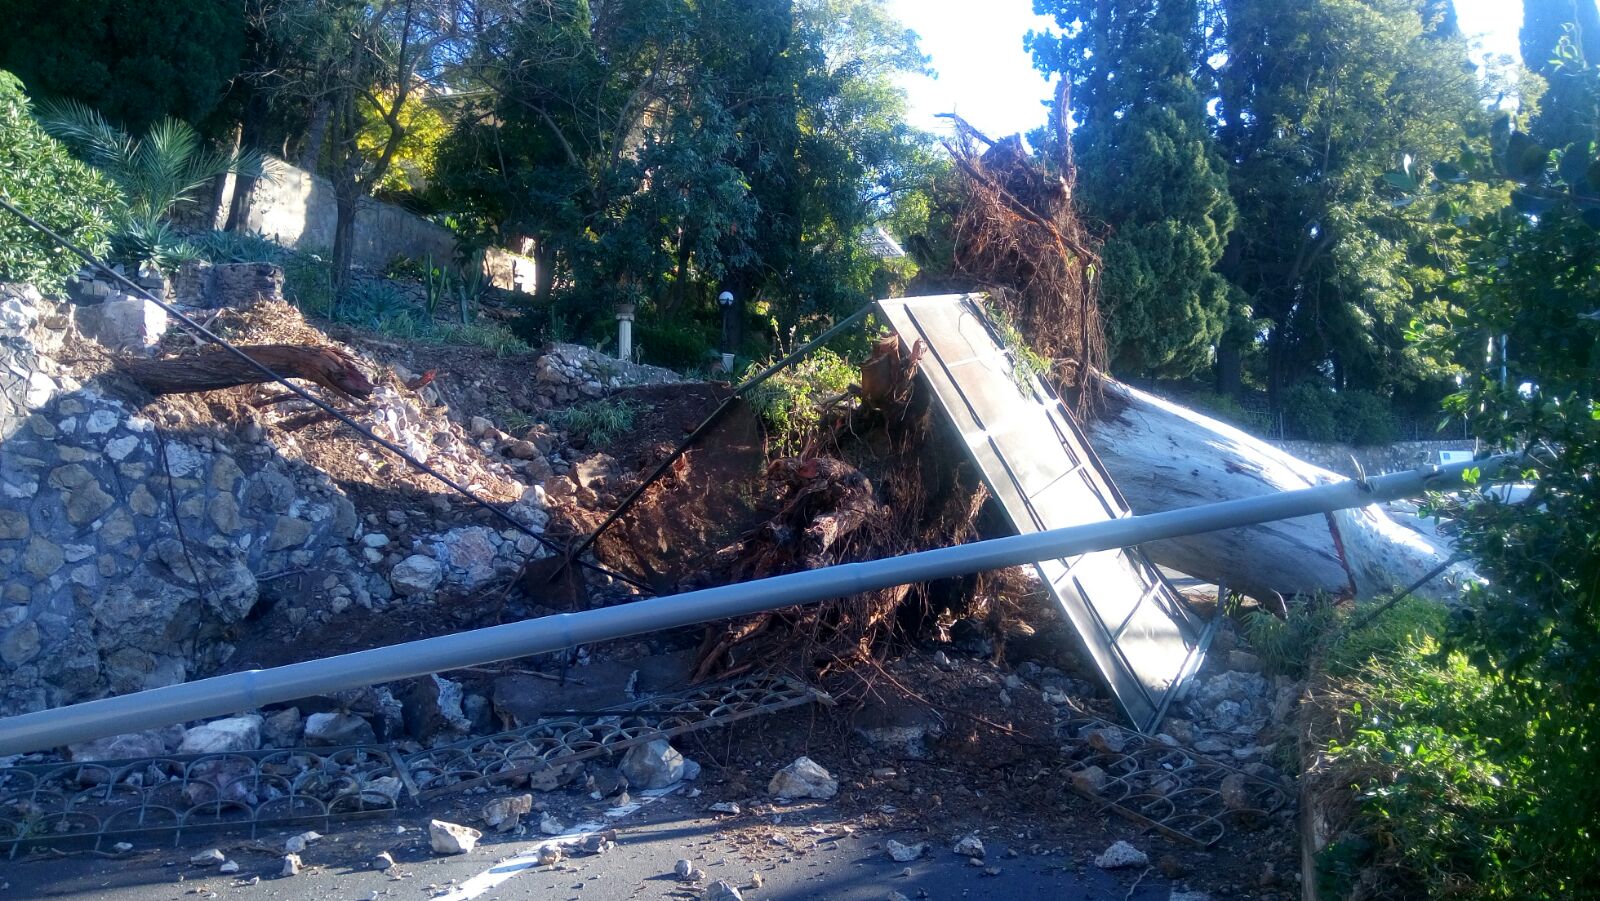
pixel 1374 460
pixel 297 209
pixel 130 549
pixel 138 537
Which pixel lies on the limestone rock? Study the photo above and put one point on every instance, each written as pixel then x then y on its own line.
pixel 433 706
pixel 721 891
pixel 1121 854
pixel 152 743
pixel 805 778
pixel 416 574
pixel 655 764
pixel 900 853
pixel 291 865
pixel 503 814
pixel 239 733
pixel 1235 792
pixel 1090 780
pixel 338 728
pixel 282 729
pixel 452 838
pixel 970 846
pixel 298 843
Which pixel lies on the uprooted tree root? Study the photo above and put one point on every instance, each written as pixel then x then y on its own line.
pixel 885 478
pixel 1018 238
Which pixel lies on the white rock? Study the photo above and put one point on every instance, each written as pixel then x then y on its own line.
pixel 451 838
pixel 728 807
pixel 416 574
pixel 505 813
pixel 805 778
pixel 228 868
pixel 119 449
pixel 297 843
pixel 208 858
pixel 904 853
pixel 721 891
pixel 100 422
pixel 291 865
pixel 549 825
pixel 239 733
pixel 683 869
pixel 970 846
pixel 1121 854
pixel 655 764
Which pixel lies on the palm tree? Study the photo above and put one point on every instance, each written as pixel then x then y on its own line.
pixel 166 170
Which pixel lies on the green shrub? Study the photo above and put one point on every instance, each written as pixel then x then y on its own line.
pixel 1318 413
pixel 1310 410
pixel 674 345
pixel 44 181
pixel 597 422
pixel 1432 757
pixel 789 403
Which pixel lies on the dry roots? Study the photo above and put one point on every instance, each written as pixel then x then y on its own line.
pixel 1018 238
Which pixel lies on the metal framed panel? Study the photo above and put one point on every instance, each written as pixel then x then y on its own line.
pixel 1140 633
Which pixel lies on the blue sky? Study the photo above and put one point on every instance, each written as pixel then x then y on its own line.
pixel 984 74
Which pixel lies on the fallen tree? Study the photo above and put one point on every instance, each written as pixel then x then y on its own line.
pixel 326 366
pixel 1164 456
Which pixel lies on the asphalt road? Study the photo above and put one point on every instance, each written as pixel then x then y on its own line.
pixel 806 854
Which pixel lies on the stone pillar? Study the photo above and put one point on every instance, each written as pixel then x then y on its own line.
pixel 625 331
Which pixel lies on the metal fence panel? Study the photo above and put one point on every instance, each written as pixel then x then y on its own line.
pixel 1138 630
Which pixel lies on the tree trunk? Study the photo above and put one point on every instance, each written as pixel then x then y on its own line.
pixel 211 371
pixel 347 199
pixel 318 127
pixel 251 132
pixel 1164 456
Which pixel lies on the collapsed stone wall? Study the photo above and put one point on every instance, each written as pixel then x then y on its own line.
pixel 137 536
pixel 131 549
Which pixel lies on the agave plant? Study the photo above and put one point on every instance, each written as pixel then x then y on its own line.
pixel 159 174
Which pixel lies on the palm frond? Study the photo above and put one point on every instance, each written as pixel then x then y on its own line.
pixel 88 135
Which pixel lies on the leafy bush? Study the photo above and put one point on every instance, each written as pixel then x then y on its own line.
pixel 674 345
pixel 1318 413
pixel 597 422
pixel 1310 410
pixel 1423 744
pixel 790 401
pixel 44 181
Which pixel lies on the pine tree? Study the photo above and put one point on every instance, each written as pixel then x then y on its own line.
pixel 1149 170
pixel 1319 99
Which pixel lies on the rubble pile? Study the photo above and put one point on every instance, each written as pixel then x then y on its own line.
pixel 139 536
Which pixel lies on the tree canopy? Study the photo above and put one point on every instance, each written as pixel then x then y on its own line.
pixel 133 61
